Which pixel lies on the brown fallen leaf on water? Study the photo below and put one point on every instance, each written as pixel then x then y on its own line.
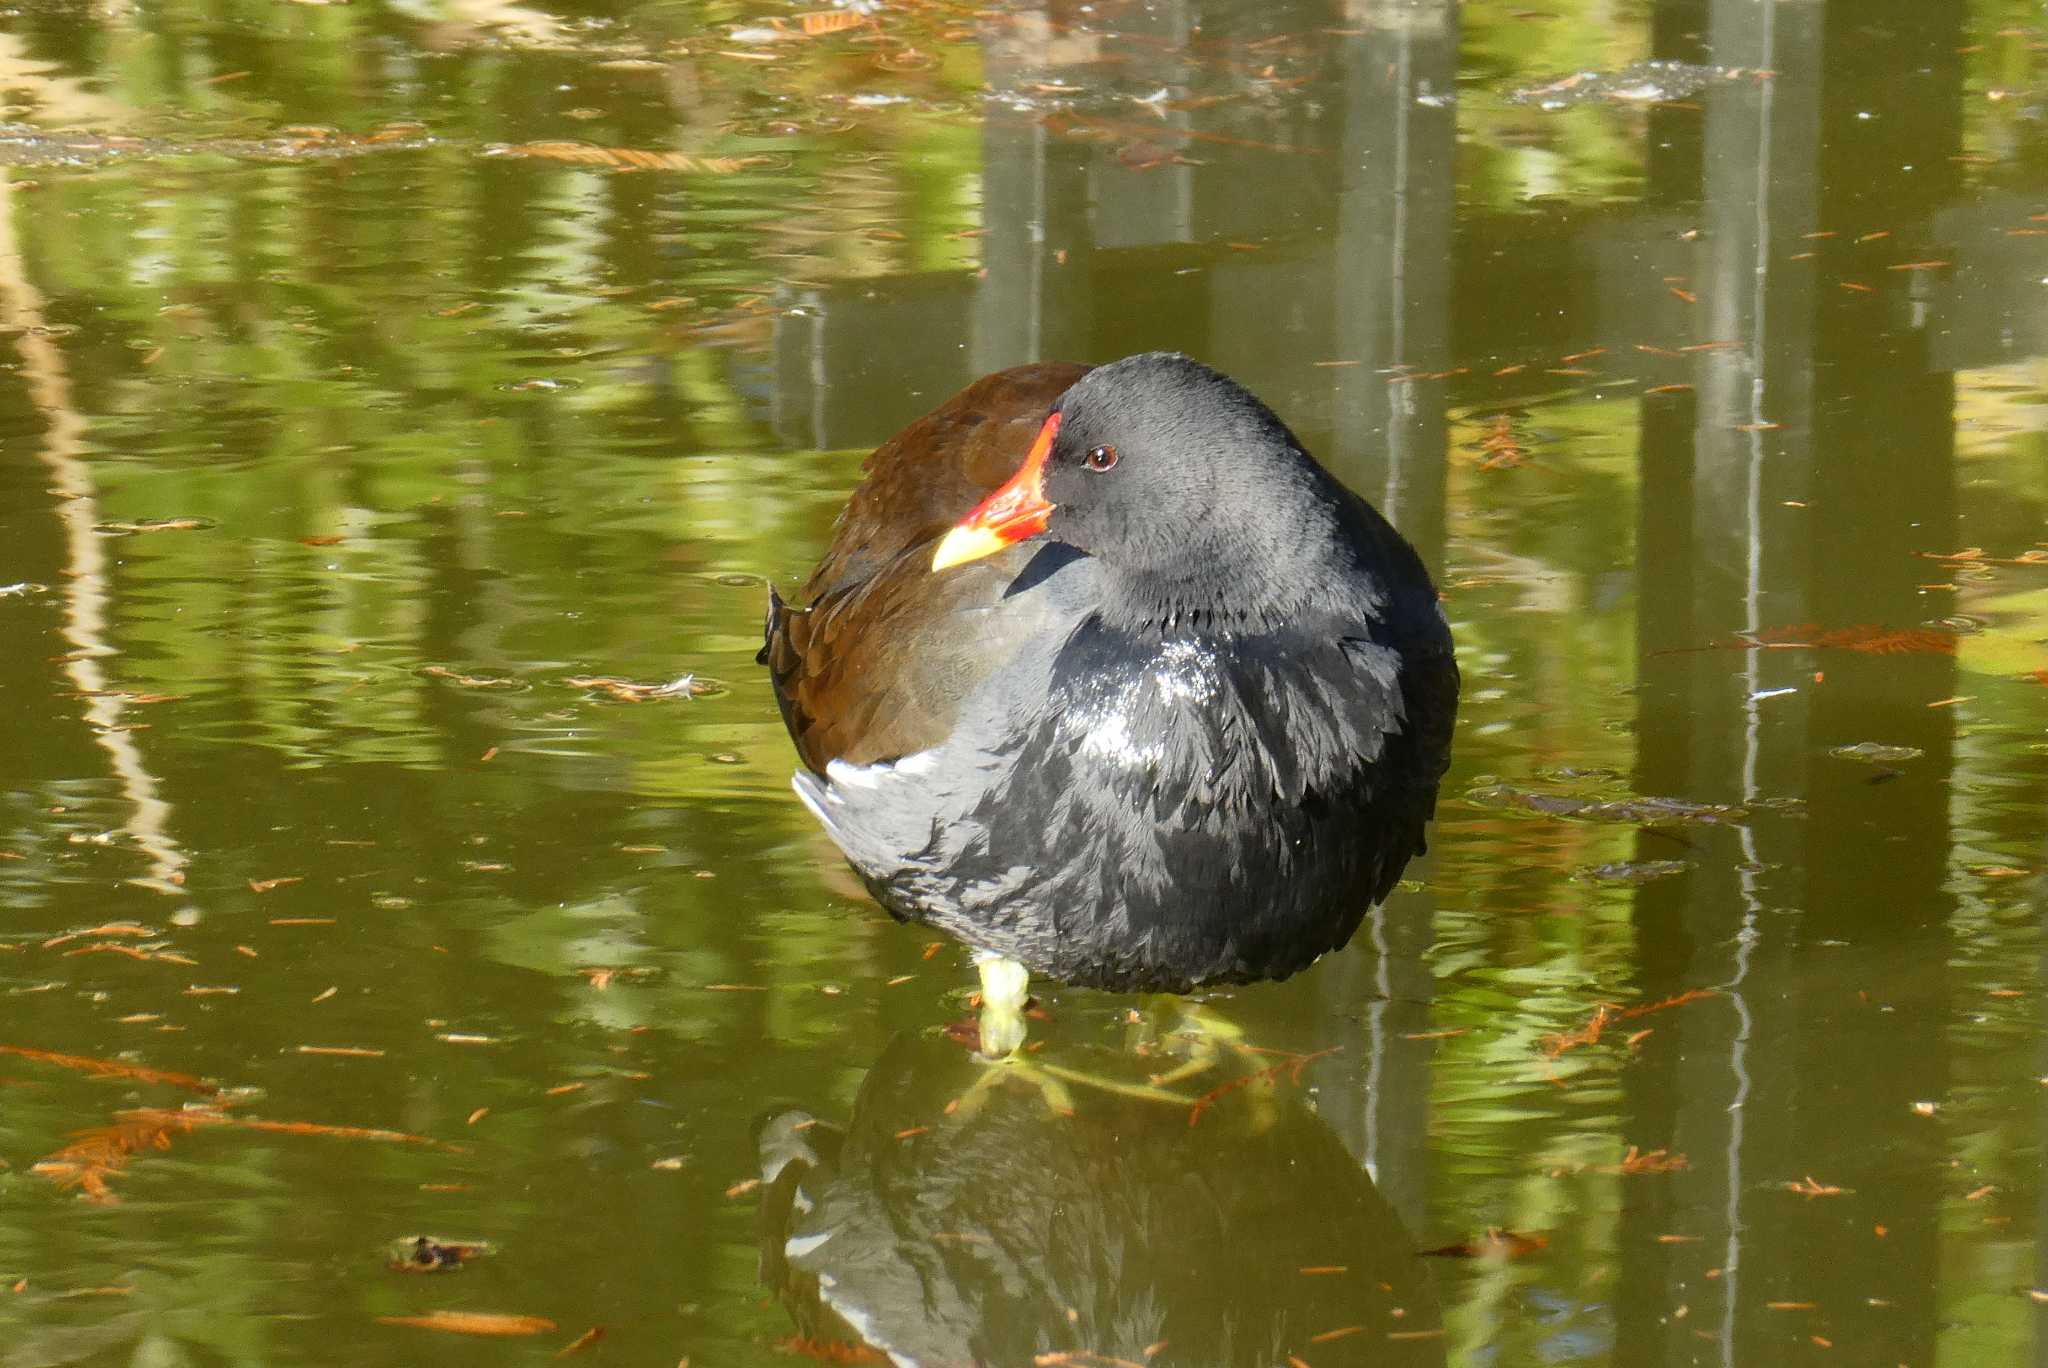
pixel 1494 1244
pixel 474 1323
pixel 628 158
pixel 110 1068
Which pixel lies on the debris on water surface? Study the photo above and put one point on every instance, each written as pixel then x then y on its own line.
pixel 1637 83
pixel 1876 753
pixel 1638 811
pixel 432 1254
pixel 1495 1243
pixel 474 1323
pixel 582 1342
pixel 632 691
pixel 1606 1014
pixel 1632 871
pixel 469 681
pixel 127 529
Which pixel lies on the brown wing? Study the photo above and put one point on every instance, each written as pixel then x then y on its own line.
pixel 876 667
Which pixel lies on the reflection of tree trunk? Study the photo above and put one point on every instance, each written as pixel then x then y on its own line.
pixel 1389 281
pixel 1814 442
pixel 86 593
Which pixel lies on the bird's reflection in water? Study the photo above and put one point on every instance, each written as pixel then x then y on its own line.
pixel 1003 1234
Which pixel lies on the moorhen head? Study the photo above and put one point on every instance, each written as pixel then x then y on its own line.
pixel 1166 706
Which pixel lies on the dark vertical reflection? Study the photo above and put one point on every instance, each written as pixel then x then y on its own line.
pixel 1391 276
pixel 1678 33
pixel 1390 282
pixel 1885 442
pixel 1820 459
pixel 2041 1055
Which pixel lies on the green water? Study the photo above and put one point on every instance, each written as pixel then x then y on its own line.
pixel 371 372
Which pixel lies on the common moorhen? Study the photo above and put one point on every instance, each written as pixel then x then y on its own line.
pixel 1167 706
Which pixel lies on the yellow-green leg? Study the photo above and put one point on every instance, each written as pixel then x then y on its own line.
pixel 1005 992
pixel 1005 989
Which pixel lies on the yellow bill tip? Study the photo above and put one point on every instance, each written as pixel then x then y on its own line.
pixel 964 544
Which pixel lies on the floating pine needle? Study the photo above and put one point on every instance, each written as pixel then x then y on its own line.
pixel 1607 1015
pixel 1498 449
pixel 470 681
pixel 134 929
pixel 153 525
pixel 1291 1066
pixel 628 158
pixel 95 1156
pixel 581 1342
pixel 109 1068
pixel 1866 638
pixel 830 1351
pixel 1974 555
pixel 474 1323
pixel 131 951
pixel 1636 1161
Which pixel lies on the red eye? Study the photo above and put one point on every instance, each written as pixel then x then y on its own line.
pixel 1102 458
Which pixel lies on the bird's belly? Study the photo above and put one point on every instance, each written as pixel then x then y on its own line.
pixel 1154 900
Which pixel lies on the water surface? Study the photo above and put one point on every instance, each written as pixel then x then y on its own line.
pixel 375 376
